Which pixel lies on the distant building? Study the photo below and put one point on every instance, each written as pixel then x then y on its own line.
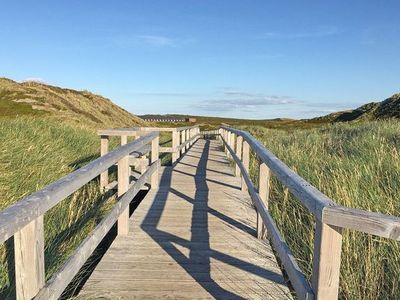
pixel 158 118
pixel 191 120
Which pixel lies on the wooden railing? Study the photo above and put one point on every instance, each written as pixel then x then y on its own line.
pixel 331 218
pixel 24 219
pixel 182 139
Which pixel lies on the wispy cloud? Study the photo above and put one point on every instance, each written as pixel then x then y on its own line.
pixel 148 40
pixel 318 33
pixel 157 40
pixel 234 100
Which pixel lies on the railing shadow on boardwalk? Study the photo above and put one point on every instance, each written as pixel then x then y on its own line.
pixel 199 255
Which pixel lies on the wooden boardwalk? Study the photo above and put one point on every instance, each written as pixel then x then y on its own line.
pixel 194 237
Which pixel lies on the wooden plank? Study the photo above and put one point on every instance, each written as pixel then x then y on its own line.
pixel 123 185
pixel 246 162
pixel 185 144
pixel 103 151
pixel 263 191
pixel 16 216
pixel 363 221
pixel 186 127
pixel 228 140
pixel 326 261
pixel 183 140
pixel 187 138
pixel 188 238
pixel 154 158
pixel 166 150
pixel 175 144
pixel 295 274
pixel 239 143
pixel 59 281
pixel 29 259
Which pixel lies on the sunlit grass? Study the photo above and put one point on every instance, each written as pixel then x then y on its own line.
pixel 357 166
pixel 34 153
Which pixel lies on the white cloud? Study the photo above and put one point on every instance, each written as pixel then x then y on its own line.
pixel 149 40
pixel 233 100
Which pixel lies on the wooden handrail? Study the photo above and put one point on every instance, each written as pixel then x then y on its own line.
pixel 330 217
pixel 59 281
pixel 134 131
pixel 16 216
pixel 311 198
pixel 179 136
pixel 24 219
pixel 325 209
pixel 296 275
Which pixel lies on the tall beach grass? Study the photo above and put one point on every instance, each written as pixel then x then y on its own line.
pixel 35 152
pixel 357 166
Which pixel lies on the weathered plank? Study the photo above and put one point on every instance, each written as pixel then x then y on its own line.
pixel 363 221
pixel 295 274
pixel 191 238
pixel 263 191
pixel 326 261
pixel 29 259
pixel 123 185
pixel 59 281
pixel 103 151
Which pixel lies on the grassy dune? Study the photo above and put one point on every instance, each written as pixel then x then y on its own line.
pixel 34 153
pixel 78 108
pixel 357 166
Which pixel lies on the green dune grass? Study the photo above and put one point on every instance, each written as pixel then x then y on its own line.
pixel 35 152
pixel 357 166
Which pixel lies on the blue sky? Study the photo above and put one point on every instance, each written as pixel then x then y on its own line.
pixel 248 59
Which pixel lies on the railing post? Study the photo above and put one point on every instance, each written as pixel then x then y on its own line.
pixel 123 184
pixel 239 142
pixel 263 191
pixel 246 161
pixel 187 138
pixel 232 142
pixel 103 151
pixel 154 158
pixel 175 144
pixel 183 134
pixel 326 261
pixel 224 137
pixel 228 142
pixel 29 259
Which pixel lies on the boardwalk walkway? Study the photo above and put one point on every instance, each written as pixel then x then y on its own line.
pixel 192 238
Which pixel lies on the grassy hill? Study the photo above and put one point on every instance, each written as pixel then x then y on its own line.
pixel 387 109
pixel 46 133
pixel 74 107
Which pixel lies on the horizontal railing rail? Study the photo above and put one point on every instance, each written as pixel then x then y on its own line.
pixel 330 217
pixel 24 219
pixel 182 139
